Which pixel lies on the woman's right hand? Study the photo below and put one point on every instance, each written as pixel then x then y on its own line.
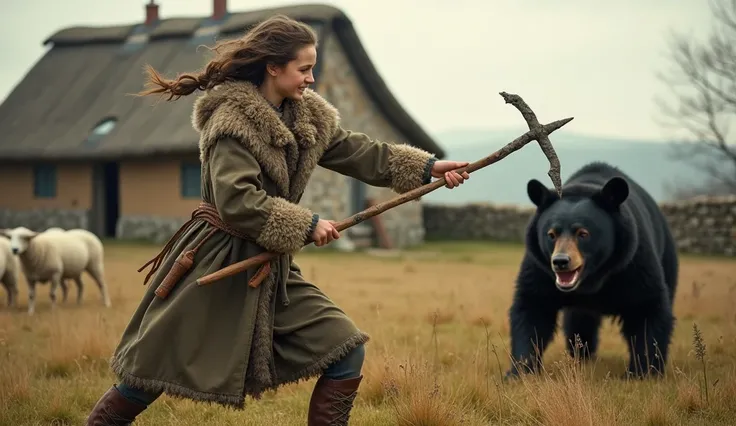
pixel 324 232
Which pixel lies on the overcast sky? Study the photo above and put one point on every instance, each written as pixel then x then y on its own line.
pixel 595 60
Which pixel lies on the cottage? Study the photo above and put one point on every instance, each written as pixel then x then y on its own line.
pixel 77 151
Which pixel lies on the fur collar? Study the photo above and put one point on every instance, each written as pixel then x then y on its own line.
pixel 288 153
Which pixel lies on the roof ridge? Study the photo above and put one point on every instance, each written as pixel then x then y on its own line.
pixel 167 27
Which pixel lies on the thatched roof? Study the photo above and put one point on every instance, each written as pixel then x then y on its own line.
pixel 87 75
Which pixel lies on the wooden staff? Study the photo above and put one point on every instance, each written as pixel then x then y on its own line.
pixel 537 132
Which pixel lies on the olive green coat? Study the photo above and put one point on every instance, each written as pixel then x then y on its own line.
pixel 226 340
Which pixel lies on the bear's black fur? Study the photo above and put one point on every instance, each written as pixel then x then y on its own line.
pixel 611 228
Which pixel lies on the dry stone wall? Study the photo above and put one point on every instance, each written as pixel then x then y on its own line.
pixel 156 229
pixel 42 219
pixel 700 225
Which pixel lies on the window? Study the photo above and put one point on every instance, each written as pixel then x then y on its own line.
pixel 101 129
pixel 191 180
pixel 104 127
pixel 44 181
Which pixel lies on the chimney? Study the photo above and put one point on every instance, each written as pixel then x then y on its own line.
pixel 219 9
pixel 151 13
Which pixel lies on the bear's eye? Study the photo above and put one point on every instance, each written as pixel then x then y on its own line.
pixel 583 233
pixel 551 234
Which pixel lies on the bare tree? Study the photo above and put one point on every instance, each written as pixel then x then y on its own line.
pixel 703 82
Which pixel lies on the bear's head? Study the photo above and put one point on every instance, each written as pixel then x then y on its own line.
pixel 575 236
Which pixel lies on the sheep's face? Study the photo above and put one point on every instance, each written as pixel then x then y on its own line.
pixel 19 238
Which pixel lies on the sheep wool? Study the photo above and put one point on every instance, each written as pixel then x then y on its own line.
pixel 55 255
pixel 9 272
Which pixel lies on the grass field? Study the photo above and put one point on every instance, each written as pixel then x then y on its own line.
pixel 438 321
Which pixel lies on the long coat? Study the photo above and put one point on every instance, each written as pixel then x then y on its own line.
pixel 226 340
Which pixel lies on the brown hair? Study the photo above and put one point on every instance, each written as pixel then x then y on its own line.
pixel 275 40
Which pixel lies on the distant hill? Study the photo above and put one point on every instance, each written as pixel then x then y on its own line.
pixel 652 164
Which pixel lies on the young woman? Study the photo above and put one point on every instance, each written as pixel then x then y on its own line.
pixel 262 133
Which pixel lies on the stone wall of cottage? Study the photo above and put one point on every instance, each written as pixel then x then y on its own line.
pixel 700 226
pixel 69 208
pixel 150 228
pixel 142 228
pixel 43 218
pixel 330 193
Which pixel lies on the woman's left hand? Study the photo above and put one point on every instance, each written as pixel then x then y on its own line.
pixel 446 168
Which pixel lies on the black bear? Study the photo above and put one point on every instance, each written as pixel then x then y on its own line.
pixel 603 249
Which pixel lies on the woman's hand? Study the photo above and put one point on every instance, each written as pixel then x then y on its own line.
pixel 324 232
pixel 452 178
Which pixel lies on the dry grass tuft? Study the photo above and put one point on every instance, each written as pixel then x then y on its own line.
pixel 481 320
pixel 440 317
pixel 689 398
pixel 658 413
pixel 15 383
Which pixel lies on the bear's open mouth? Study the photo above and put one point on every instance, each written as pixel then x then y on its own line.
pixel 568 279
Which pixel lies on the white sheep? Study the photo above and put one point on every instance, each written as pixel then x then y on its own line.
pixel 62 284
pixel 9 272
pixel 55 256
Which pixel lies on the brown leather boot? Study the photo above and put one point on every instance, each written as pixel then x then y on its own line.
pixel 113 409
pixel 332 401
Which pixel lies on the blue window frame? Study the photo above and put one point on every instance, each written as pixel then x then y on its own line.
pixel 191 180
pixel 44 181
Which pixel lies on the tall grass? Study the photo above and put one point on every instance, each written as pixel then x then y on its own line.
pixel 438 355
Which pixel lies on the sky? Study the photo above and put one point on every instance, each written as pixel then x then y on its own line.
pixel 446 61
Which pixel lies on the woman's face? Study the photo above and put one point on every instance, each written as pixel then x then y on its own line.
pixel 291 80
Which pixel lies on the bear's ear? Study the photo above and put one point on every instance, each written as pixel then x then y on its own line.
pixel 613 193
pixel 539 194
